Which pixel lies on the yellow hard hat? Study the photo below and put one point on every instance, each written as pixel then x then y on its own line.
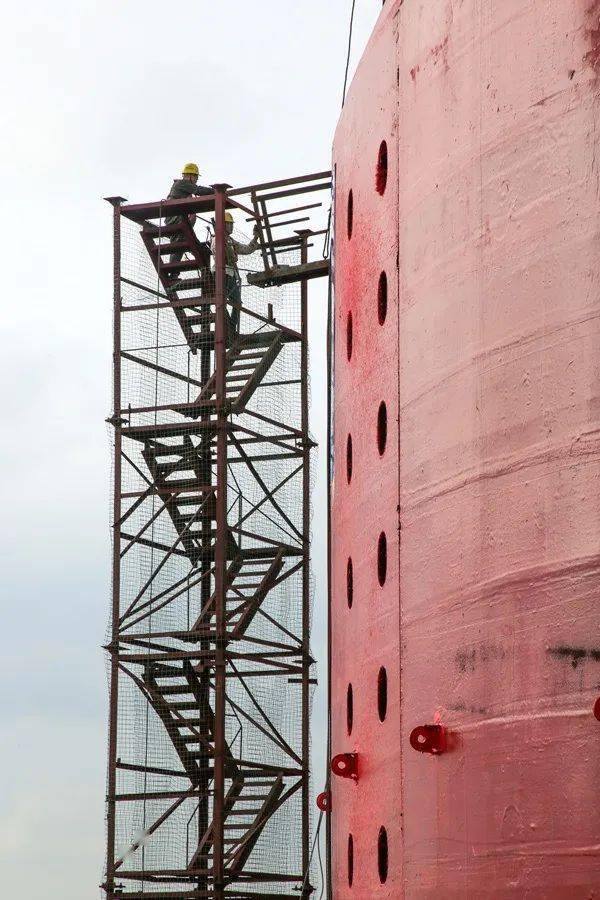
pixel 190 169
pixel 228 217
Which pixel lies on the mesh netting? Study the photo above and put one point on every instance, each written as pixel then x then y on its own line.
pixel 167 579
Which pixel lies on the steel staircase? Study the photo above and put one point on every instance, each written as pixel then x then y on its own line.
pixel 249 580
pixel 181 472
pixel 183 692
pixel 246 364
pixel 193 314
pixel 249 803
pixel 179 694
pixel 196 670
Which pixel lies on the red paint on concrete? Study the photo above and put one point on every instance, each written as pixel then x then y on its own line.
pixel 488 362
pixel 592 57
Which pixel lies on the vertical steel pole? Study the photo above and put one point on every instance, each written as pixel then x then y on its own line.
pixel 205 672
pixel 305 568
pixel 221 542
pixel 330 344
pixel 330 341
pixel 116 547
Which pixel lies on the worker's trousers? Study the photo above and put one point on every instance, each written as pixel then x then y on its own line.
pixel 233 292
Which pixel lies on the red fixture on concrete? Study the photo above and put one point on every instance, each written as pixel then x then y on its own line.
pixel 324 801
pixel 345 765
pixel 429 739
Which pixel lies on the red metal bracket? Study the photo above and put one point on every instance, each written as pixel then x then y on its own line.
pixel 324 801
pixel 345 765
pixel 429 739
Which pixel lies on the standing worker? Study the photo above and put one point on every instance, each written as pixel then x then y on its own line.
pixel 233 281
pixel 186 186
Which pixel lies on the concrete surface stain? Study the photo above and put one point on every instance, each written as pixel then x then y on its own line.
pixel 592 57
pixel 468 660
pixel 574 654
pixel 440 51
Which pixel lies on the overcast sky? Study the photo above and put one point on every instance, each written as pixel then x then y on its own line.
pixel 104 98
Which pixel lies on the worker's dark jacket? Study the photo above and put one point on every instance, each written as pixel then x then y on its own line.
pixel 182 188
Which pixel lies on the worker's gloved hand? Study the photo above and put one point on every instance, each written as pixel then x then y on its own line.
pixel 256 231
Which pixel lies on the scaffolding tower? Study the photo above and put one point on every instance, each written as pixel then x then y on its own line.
pixel 209 645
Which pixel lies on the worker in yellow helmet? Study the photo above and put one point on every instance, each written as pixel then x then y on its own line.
pixel 186 186
pixel 233 281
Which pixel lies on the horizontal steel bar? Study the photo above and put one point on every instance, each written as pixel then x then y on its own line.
pixel 207 654
pixel 162 369
pixel 267 185
pixel 285 212
pixel 308 189
pixel 154 770
pixel 143 287
pixel 290 222
pixel 193 303
pixel 157 795
pixel 160 209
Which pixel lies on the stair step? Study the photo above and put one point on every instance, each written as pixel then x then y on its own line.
pixel 259 782
pixel 187 739
pixel 245 356
pixel 247 812
pixel 187 517
pixel 190 284
pixel 155 230
pixel 187 501
pixel 184 266
pixel 171 248
pixel 261 561
pixel 236 367
pixel 237 378
pixel 166 674
pixel 200 319
pixel 175 689
pixel 185 484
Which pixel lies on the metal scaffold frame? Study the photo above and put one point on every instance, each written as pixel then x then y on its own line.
pixel 198 679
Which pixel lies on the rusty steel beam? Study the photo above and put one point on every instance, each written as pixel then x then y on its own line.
pixel 268 185
pixel 116 561
pixel 220 551
pixel 307 889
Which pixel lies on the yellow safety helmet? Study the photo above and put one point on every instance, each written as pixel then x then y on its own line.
pixel 228 217
pixel 190 169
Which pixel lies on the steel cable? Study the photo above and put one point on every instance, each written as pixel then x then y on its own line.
pixel 349 50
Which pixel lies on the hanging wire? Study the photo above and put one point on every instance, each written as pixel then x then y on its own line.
pixel 314 844
pixel 322 893
pixel 327 238
pixel 349 49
